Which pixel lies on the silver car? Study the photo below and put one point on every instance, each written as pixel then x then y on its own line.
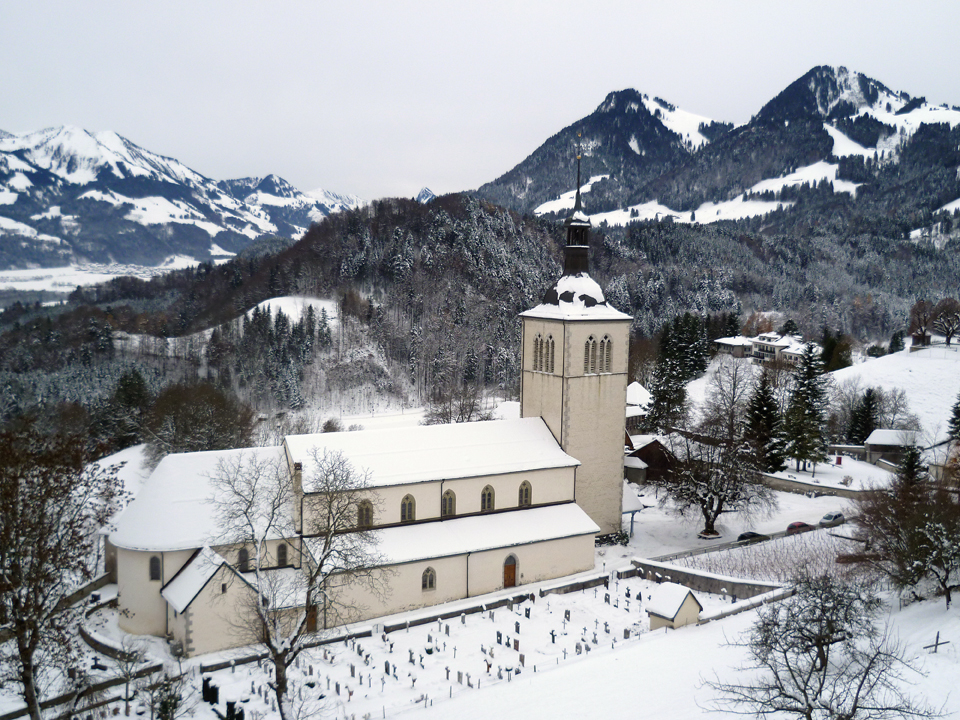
pixel 832 519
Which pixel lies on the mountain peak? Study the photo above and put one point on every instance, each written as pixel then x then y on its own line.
pixel 628 100
pixel 827 92
pixel 425 195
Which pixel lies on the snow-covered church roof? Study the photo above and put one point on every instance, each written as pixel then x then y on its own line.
pixel 176 509
pixel 429 453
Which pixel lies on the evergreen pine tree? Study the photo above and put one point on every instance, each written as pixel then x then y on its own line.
pixel 764 428
pixel 668 391
pixel 865 418
pixel 805 424
pixel 732 327
pixel 896 342
pixel 953 424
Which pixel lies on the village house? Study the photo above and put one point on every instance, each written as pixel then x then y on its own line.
pixel 888 445
pixel 456 510
pixel 764 348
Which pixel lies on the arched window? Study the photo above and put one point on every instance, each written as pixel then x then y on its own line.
pixel 408 509
pixel 486 499
pixel 154 568
pixel 243 560
pixel 590 356
pixel 537 353
pixel 448 504
pixel 606 350
pixel 525 494
pixel 428 581
pixel 550 346
pixel 282 555
pixel 364 514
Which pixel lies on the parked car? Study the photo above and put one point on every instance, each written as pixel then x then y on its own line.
pixel 751 537
pixel 832 519
pixel 798 527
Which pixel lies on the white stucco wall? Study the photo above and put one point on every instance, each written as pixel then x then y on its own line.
pixel 214 620
pixel 142 609
pixel 535 562
pixel 548 486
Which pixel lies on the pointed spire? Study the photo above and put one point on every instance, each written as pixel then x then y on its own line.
pixel 576 205
pixel 575 255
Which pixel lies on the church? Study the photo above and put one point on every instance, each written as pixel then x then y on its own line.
pixel 456 510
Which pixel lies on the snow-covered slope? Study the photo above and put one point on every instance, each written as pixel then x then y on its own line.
pixel 929 377
pixel 69 195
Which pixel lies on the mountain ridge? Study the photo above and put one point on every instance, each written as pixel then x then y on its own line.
pixel 832 128
pixel 71 195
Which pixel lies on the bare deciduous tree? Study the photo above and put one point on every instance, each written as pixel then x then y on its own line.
pixel 821 655
pixel 714 478
pixel 946 318
pixel 258 504
pixel 727 396
pixel 53 506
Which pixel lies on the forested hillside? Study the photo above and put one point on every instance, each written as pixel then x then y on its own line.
pixel 428 297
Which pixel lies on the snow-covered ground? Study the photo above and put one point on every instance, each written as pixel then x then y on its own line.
pixel 66 279
pixel 850 473
pixel 663 674
pixel 930 378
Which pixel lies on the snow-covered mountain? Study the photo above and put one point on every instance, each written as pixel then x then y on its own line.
pixel 425 195
pixel 69 195
pixel 630 139
pixel 291 210
pixel 879 151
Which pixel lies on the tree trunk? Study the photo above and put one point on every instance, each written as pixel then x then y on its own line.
pixel 280 685
pixel 28 677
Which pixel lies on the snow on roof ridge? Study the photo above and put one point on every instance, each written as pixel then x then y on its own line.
pixel 191 578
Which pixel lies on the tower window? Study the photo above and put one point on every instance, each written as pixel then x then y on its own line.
pixel 282 555
pixel 524 495
pixel 606 351
pixel 538 353
pixel 448 504
pixel 408 509
pixel 243 560
pixel 486 499
pixel 428 581
pixel 590 356
pixel 549 353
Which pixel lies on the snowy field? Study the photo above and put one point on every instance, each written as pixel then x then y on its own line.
pixel 66 279
pixel 929 377
pixel 663 674
pixel 850 474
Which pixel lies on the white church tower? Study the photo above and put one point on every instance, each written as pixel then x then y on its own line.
pixel 574 374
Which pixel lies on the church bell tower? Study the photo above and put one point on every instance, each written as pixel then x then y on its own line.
pixel 574 374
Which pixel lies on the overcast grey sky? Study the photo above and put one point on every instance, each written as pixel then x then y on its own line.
pixel 382 98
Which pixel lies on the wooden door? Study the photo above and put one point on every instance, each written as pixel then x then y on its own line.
pixel 510 573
